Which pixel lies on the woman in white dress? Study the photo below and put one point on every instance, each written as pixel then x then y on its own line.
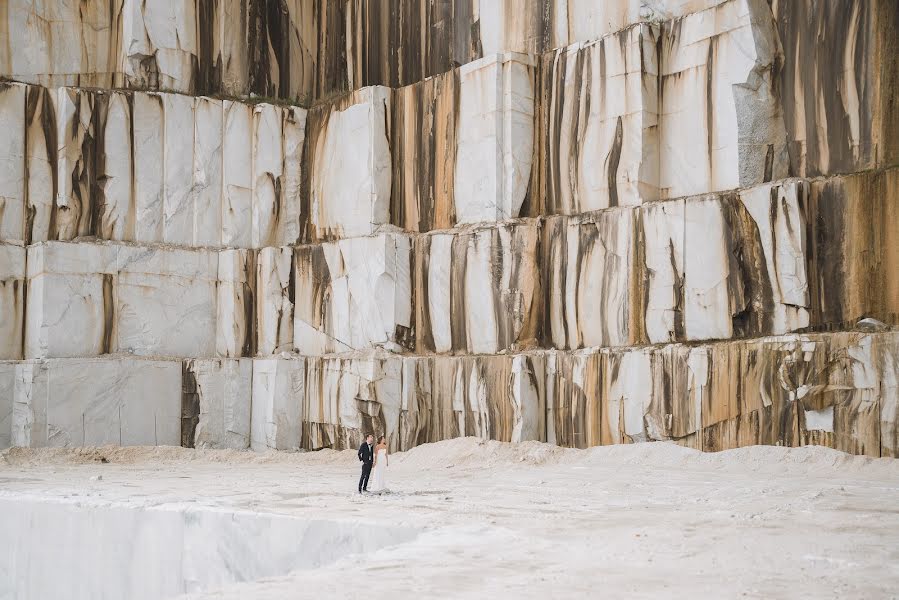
pixel 379 470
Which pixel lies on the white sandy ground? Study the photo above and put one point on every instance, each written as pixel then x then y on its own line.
pixel 535 521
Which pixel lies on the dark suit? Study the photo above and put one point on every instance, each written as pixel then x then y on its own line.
pixel 367 456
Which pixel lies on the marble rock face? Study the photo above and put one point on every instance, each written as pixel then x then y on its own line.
pixel 350 165
pixel 347 398
pixel 277 404
pixel 424 120
pixel 839 98
pixel 149 168
pixel 12 161
pixel 499 397
pixel 233 47
pixel 477 290
pixel 12 301
pixel 836 390
pixel 353 294
pixel 495 139
pixel 97 401
pixel 91 299
pixel 767 260
pixel 215 403
pixel 7 390
pixel 598 123
pixel 720 124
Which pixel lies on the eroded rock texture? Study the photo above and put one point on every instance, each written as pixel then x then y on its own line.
pixel 478 290
pixel 235 47
pixel 571 221
pixel 149 168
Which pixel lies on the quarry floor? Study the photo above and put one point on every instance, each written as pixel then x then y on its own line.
pixel 527 520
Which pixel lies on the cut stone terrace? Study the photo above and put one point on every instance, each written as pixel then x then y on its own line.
pixel 658 231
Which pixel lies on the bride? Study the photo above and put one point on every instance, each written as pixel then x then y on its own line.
pixel 379 471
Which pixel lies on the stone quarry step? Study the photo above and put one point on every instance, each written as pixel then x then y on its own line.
pixel 768 260
pixel 148 168
pixel 692 106
pixel 835 389
pixel 303 51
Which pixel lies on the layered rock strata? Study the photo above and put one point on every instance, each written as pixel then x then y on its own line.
pixel 834 389
pixel 575 222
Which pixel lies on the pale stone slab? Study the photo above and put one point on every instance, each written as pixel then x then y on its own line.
pixel 351 168
pixel 220 391
pixel 478 290
pixel 12 300
pixel 354 294
pixel 274 307
pixel 495 138
pixel 97 401
pixel 237 175
pixel 12 162
pixel 7 391
pixel 149 166
pixel 720 126
pixel 599 121
pixel 278 400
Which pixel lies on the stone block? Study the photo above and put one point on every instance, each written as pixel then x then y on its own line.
pixel 278 398
pixel 598 128
pixel 593 296
pixel 90 299
pixel 275 295
pixel 720 123
pixel 215 403
pixel 838 97
pixel 354 294
pixel 12 301
pixel 12 162
pixel 499 397
pixel 235 311
pixel 495 138
pixel 478 289
pixel 97 401
pixel 349 165
pixel 7 392
pixel 349 397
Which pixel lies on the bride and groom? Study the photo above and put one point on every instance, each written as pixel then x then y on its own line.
pixel 374 464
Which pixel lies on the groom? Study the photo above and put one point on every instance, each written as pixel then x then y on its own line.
pixel 366 455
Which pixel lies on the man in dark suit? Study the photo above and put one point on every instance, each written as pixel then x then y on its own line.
pixel 367 456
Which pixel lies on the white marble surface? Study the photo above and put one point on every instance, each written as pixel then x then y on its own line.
pixel 171 550
pixel 235 330
pixel 206 191
pixel 12 300
pixel 278 388
pixel 351 173
pixel 590 280
pixel 150 167
pixel 274 300
pixel 224 388
pixel 349 397
pixel 7 391
pixel 12 162
pixel 97 401
pixel 90 299
pixel 601 122
pixel 664 238
pixel 495 137
pixel 353 294
pixel 237 175
pixel 719 119
pixel 479 291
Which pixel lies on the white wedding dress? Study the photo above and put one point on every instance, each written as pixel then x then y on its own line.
pixel 379 473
